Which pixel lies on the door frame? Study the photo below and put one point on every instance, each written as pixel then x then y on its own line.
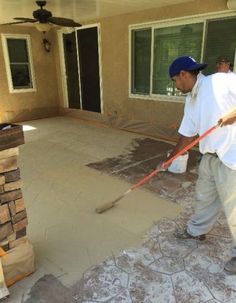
pixel 234 63
pixel 63 75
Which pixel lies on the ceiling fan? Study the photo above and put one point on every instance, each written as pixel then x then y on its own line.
pixel 43 16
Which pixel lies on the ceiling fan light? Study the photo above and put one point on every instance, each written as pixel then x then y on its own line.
pixel 43 27
pixel 68 30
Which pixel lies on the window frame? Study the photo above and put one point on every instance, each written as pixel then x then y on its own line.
pixel 203 18
pixel 25 37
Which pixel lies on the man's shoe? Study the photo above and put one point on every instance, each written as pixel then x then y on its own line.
pixel 184 235
pixel 230 266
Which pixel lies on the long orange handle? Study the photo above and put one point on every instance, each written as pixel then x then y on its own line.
pixel 166 163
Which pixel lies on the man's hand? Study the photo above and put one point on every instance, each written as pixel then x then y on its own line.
pixel 228 119
pixel 160 167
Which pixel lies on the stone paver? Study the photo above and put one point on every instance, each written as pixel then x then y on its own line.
pixel 166 269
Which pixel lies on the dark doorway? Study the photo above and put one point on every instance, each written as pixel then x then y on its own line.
pixel 72 76
pixel 89 69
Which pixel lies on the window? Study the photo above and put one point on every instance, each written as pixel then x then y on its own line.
pixel 169 43
pixel 154 48
pixel 18 62
pixel 221 40
pixel 141 61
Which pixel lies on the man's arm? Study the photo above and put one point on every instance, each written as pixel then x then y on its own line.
pixel 228 119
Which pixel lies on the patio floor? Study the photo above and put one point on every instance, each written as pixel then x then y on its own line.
pixel 127 254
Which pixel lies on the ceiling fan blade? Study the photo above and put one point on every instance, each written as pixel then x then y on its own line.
pixel 63 22
pixel 17 22
pixel 20 20
pixel 25 19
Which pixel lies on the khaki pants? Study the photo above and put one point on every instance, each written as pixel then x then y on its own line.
pixel 215 189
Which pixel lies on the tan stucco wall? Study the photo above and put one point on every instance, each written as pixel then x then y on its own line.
pixel 115 66
pixel 115 63
pixel 44 101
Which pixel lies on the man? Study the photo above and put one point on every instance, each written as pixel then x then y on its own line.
pixel 223 65
pixel 210 100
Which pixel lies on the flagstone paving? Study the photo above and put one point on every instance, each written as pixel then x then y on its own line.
pixel 163 269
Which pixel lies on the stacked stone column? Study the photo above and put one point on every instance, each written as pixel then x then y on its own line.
pixel 13 217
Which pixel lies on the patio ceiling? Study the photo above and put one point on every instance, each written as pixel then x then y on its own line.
pixel 79 10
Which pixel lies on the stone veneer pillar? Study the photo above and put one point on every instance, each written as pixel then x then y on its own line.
pixel 13 217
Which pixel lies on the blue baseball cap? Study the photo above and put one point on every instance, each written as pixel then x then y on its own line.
pixel 184 63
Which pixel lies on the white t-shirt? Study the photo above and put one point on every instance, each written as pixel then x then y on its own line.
pixel 211 98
